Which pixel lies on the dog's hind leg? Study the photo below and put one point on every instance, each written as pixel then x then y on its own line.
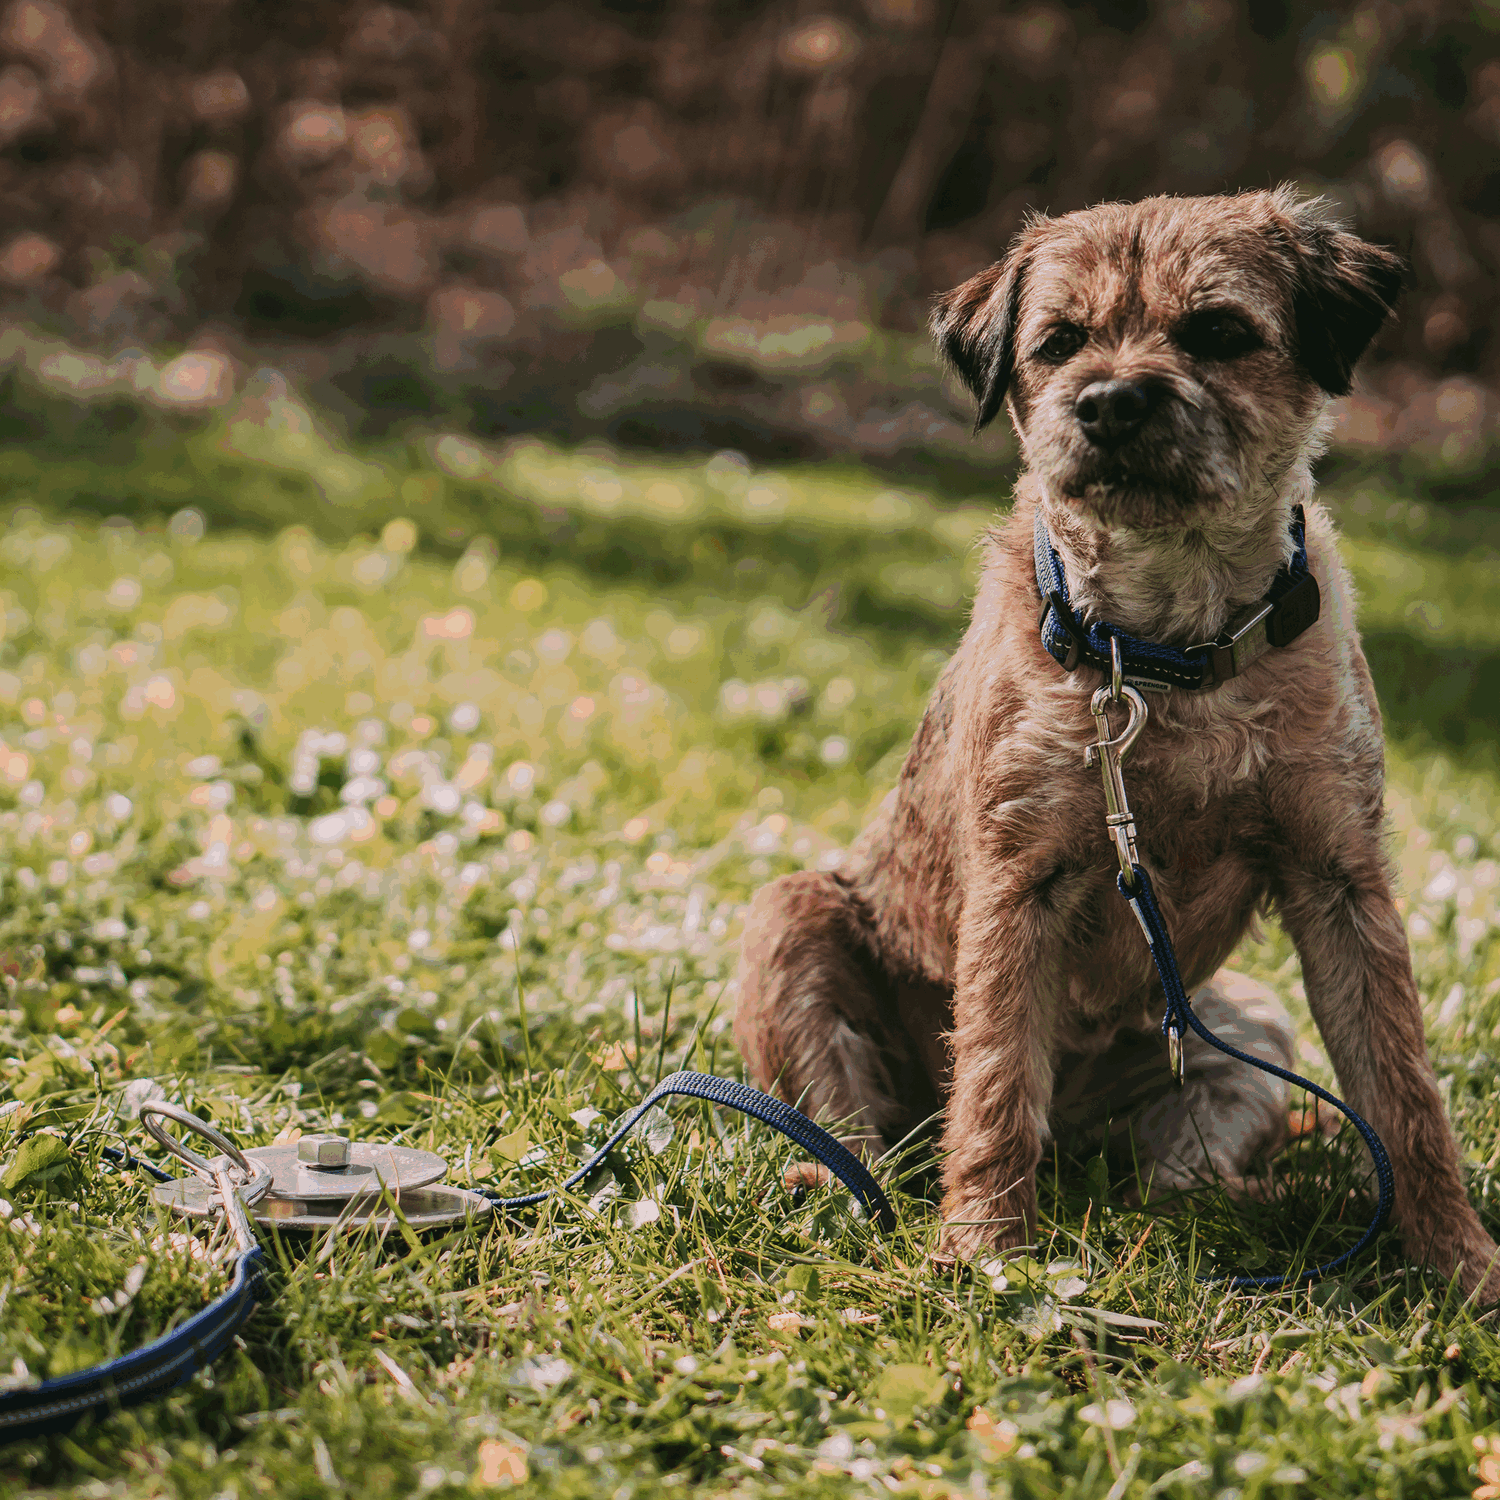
pixel 816 1015
pixel 1226 1113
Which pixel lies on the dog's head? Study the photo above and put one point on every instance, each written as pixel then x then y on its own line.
pixel 1171 356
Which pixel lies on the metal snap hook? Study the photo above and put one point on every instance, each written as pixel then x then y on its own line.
pixel 1117 746
pixel 1116 669
pixel 1108 752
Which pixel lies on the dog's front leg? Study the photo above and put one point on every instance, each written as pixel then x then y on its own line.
pixel 1357 969
pixel 1002 1075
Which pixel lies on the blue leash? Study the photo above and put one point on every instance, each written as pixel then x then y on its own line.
pixel 55 1405
pixel 1288 608
pixel 1179 1011
pixel 154 1368
pixel 834 1155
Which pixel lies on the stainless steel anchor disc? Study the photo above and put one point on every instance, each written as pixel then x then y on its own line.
pixel 325 1180
pixel 329 1166
pixel 421 1208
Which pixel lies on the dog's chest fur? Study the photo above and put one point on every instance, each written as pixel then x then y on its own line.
pixel 1203 834
pixel 995 805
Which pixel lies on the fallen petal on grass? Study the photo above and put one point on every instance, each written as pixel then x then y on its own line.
pixel 500 1464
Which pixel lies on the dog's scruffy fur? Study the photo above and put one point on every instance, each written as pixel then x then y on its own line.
pixel 972 950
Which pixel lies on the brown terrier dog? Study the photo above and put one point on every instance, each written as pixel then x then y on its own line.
pixel 1166 365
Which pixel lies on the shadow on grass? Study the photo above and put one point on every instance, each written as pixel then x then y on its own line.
pixel 1448 696
pixel 864 581
pixel 1454 491
pixel 1313 1201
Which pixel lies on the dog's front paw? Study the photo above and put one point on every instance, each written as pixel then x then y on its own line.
pixel 974 1250
pixel 962 1242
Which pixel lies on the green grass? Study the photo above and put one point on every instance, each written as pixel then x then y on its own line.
pixel 607 699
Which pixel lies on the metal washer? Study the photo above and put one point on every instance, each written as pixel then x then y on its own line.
pixel 320 1182
pixel 421 1208
pixel 372 1168
pixel 427 1207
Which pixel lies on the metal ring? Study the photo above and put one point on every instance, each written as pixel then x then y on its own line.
pixel 182 1151
pixel 259 1185
pixel 1116 669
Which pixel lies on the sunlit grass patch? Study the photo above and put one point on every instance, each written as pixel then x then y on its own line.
pixel 353 826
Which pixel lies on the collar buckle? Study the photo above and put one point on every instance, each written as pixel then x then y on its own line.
pixel 1295 611
pixel 1239 643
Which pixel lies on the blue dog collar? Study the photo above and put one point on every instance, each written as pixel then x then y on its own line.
pixel 1289 607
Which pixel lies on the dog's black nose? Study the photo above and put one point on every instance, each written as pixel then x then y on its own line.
pixel 1109 411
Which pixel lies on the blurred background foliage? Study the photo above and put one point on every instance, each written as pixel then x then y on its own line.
pixel 697 224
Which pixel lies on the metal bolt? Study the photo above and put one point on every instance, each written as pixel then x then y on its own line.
pixel 323 1151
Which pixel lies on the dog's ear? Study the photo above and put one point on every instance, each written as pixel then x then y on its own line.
pixel 974 328
pixel 1344 291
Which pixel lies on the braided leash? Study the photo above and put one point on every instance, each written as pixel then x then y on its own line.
pixel 55 1405
pixel 792 1123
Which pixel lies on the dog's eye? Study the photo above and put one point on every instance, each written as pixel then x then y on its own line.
pixel 1213 334
pixel 1062 343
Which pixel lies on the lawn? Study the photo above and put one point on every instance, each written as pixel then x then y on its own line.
pixel 417 790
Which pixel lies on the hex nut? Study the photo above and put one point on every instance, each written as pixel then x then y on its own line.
pixel 323 1151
